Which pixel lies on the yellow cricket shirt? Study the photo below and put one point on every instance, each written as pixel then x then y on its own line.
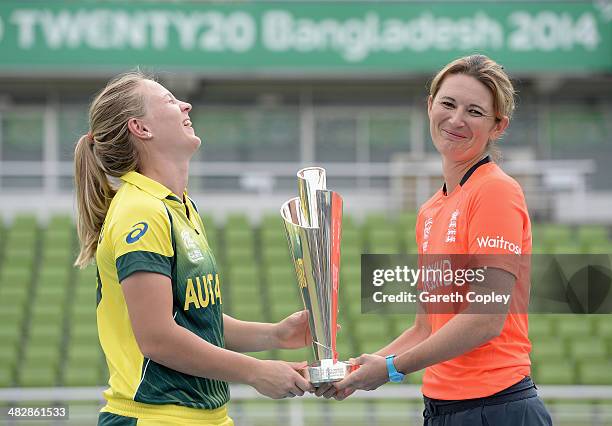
pixel 147 228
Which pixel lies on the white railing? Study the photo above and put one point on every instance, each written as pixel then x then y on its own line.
pixel 402 184
pixel 297 411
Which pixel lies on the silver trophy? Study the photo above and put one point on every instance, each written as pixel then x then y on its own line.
pixel 313 223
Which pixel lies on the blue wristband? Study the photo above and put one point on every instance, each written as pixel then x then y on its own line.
pixel 394 375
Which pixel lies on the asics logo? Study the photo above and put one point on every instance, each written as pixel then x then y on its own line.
pixel 139 230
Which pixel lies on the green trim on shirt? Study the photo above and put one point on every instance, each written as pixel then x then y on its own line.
pixel 143 261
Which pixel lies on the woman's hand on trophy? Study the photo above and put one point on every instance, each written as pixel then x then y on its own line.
pixel 372 373
pixel 280 379
pixel 327 391
pixel 293 332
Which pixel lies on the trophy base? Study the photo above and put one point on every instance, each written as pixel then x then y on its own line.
pixel 326 371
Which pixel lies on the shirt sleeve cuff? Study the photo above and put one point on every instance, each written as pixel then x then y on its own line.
pixel 143 261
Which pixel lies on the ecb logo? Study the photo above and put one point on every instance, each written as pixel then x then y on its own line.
pixel 139 230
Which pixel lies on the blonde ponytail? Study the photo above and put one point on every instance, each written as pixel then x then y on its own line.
pixel 107 150
pixel 93 196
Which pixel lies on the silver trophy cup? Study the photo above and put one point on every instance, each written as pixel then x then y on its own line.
pixel 313 223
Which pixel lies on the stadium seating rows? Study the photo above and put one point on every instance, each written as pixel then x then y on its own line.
pixel 47 307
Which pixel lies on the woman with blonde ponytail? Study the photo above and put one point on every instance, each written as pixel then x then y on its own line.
pixel 170 349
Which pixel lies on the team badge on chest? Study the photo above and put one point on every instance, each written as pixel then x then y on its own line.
pixel 426 232
pixel 193 250
pixel 451 233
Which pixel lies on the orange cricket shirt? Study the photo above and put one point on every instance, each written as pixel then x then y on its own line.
pixel 485 214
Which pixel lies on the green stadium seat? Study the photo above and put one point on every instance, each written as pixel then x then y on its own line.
pixel 409 242
pixel 387 236
pixel 57 257
pixel 52 295
pixel 103 372
pixel 12 275
pixel 571 326
pixel 239 242
pixel 280 275
pixel 83 354
pixel 407 220
pixel 591 235
pixel 570 247
pixel 6 376
pixel 88 299
pixel 351 307
pixel 372 326
pixel 344 346
pixel 416 378
pixel 376 221
pixel 81 375
pixel 42 354
pixel 45 312
pixel 351 240
pixel 86 275
pixel 555 372
pixel 59 239
pixel 383 241
pixel 208 220
pixel 350 259
pixel 85 314
pixel 212 238
pixel 25 222
pixel 9 351
pixel 539 326
pixel 61 222
pixel 237 221
pixel 371 333
pixel 22 223
pixel 243 279
pixel 245 294
pixel 19 249
pixel 294 355
pixel 34 375
pixel 251 312
pixel 401 323
pixel 83 333
pixel 603 325
pixel 274 257
pixel 600 248
pixel 240 256
pixel 17 294
pixel 553 234
pixel 274 237
pixel 595 372
pixel 45 333
pixel 349 224
pixel 22 258
pixel 588 348
pixel 11 315
pixel 281 309
pixel 271 221
pixel 85 284
pixel 283 292
pixel 544 350
pixel 243 270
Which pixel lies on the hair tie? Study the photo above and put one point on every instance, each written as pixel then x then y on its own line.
pixel 90 137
